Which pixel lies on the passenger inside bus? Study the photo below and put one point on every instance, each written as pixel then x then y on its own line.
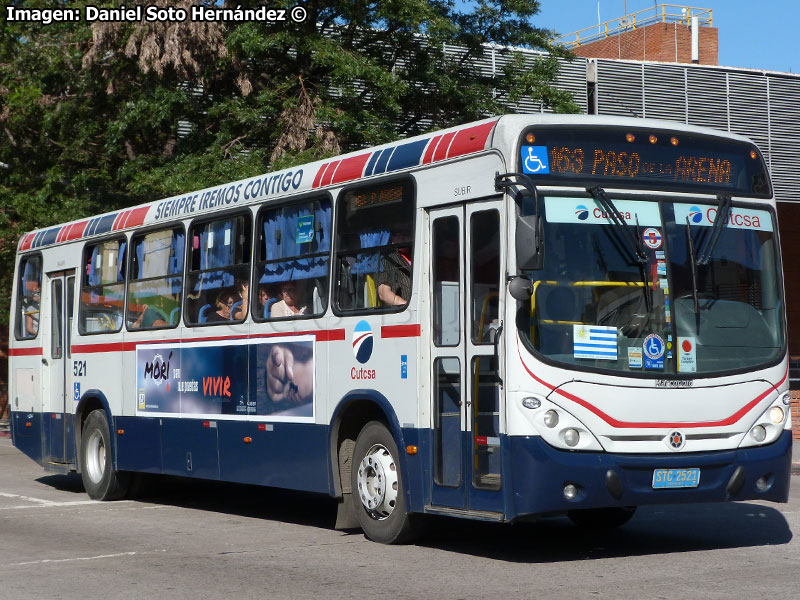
pixel 394 280
pixel 267 296
pixel 292 301
pixel 224 303
pixel 150 317
pixel 30 308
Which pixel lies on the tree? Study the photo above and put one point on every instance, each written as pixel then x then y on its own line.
pixel 111 114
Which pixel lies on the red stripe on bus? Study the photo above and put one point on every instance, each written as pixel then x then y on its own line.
pixel 471 139
pixel 330 335
pixel 398 331
pixel 351 168
pixel 76 231
pixel 319 175
pixel 677 424
pixel 428 157
pixel 136 216
pixel 328 177
pixel 25 351
pixel 444 144
pixel 118 221
pixel 26 242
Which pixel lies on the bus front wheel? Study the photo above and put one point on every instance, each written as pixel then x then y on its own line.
pixel 378 487
pixel 100 479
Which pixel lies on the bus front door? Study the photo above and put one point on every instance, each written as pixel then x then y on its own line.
pixel 57 426
pixel 466 258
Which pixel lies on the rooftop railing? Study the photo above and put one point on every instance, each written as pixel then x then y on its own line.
pixel 660 13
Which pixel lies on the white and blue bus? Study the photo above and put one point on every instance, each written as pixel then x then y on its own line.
pixel 528 315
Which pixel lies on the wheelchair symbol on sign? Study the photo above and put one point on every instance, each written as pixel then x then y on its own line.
pixel 534 164
pixel 653 347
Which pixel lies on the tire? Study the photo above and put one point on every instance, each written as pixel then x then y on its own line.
pixel 100 480
pixel 602 518
pixel 378 488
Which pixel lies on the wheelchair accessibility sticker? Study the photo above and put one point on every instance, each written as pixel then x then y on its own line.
pixel 653 348
pixel 534 160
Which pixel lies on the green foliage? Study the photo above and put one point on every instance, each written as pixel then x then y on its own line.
pixel 89 114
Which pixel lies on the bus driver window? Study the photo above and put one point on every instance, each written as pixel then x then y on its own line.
pixel 28 298
pixel 374 245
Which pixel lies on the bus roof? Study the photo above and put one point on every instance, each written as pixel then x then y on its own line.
pixel 393 157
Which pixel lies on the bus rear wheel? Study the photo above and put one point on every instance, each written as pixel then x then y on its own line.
pixel 378 487
pixel 100 480
pixel 602 518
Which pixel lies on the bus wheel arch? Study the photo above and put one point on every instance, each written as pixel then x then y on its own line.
pixel 90 401
pixel 95 450
pixel 351 416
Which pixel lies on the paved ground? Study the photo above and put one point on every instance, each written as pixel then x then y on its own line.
pixel 199 540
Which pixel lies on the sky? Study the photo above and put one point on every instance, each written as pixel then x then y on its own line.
pixel 753 34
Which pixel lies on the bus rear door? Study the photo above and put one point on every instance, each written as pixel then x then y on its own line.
pixel 56 368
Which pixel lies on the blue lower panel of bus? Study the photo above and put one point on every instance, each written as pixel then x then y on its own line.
pixel 27 434
pixel 540 473
pixel 286 455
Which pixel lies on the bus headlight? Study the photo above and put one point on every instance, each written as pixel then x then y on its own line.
pixel 770 425
pixel 759 433
pixel 776 415
pixel 550 418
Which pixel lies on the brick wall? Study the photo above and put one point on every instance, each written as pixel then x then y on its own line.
pixel 661 42
pixel 796 415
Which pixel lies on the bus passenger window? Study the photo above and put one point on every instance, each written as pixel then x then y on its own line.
pixel 156 280
pixel 485 275
pixel 218 278
pixel 103 287
pixel 28 298
pixel 374 248
pixel 293 260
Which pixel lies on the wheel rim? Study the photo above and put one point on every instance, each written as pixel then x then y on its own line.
pixel 95 456
pixel 377 482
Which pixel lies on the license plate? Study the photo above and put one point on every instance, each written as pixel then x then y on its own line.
pixel 676 478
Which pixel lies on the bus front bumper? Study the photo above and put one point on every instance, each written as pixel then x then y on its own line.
pixel 540 473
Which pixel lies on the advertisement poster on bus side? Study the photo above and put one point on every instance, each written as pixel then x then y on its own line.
pixel 231 379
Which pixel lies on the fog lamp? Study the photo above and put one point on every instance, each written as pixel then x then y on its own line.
pixel 786 399
pixel 551 418
pixel 763 483
pixel 571 437
pixel 759 433
pixel 570 492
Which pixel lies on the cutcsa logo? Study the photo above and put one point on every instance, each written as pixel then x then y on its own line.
pixel 158 369
pixel 362 341
pixel 581 212
pixel 695 215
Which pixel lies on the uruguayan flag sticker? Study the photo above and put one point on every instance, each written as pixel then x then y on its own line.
pixel 594 342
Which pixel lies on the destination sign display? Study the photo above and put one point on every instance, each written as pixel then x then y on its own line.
pixel 654 159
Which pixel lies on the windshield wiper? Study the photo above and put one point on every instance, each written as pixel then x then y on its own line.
pixel 723 209
pixel 694 267
pixel 634 242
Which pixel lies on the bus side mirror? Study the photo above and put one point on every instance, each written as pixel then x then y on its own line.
pixel 520 288
pixel 529 242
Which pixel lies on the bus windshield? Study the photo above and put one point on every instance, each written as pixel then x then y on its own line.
pixel 706 300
